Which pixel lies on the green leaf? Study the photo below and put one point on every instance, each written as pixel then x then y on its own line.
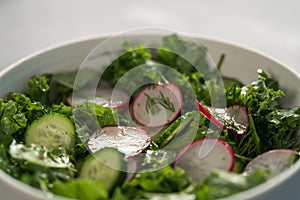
pixel 89 116
pixel 221 183
pixel 67 79
pixel 16 114
pixel 162 181
pixel 80 189
pixel 182 55
pixel 39 88
pixel 38 155
pixel 132 56
pixel 271 127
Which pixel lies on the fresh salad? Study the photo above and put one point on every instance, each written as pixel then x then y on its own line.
pixel 156 137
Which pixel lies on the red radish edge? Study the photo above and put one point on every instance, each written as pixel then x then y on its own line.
pixel 131 169
pixel 243 109
pixel 175 90
pixel 125 103
pixel 207 114
pixel 225 144
pixel 211 117
pixel 69 100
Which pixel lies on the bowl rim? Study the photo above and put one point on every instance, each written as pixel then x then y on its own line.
pixel 254 192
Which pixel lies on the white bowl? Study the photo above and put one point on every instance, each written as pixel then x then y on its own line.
pixel 240 63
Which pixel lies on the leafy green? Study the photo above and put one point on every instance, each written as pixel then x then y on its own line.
pixel 39 155
pixel 63 109
pixel 259 97
pixel 39 88
pixel 132 56
pixel 166 180
pixel 185 195
pixel 65 82
pixel 17 113
pixel 89 116
pixel 80 189
pixel 182 55
pixel 154 159
pixel 67 79
pixel 270 125
pixel 221 184
pixel 36 166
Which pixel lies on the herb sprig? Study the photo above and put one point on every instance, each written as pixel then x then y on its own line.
pixel 153 102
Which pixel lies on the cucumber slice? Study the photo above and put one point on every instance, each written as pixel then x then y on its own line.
pixel 173 129
pixel 53 130
pixel 105 165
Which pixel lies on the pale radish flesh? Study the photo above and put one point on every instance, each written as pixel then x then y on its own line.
pixel 235 119
pixel 274 160
pixel 131 168
pixel 106 97
pixel 203 156
pixel 157 105
pixel 128 140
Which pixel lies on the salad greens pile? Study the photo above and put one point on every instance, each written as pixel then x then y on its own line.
pixel 57 171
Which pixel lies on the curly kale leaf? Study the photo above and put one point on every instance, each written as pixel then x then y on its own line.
pixel 271 127
pixel 39 88
pixel 16 114
pixel 166 180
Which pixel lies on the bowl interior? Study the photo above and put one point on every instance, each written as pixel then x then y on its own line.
pixel 239 63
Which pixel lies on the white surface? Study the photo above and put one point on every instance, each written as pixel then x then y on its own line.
pixel 270 26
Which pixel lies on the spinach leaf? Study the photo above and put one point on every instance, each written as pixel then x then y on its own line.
pixel 182 55
pixel 67 79
pixel 132 56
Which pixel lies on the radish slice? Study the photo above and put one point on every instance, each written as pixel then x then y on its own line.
pixel 131 169
pixel 235 119
pixel 128 140
pixel 69 100
pixel 203 156
pixel 107 97
pixel 157 105
pixel 275 160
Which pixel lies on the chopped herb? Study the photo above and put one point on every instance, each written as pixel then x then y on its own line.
pixel 152 103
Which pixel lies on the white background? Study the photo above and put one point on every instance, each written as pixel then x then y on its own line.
pixel 269 26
